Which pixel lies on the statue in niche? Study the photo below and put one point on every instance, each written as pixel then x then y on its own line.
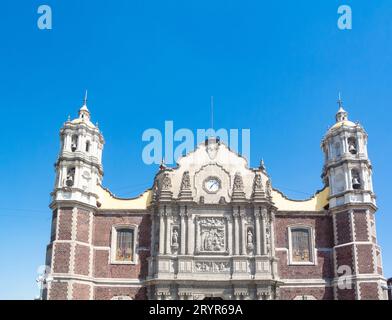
pixel 186 181
pixel 238 183
pixel 166 182
pixel 175 237
pixel 250 237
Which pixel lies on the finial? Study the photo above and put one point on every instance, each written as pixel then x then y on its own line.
pixel 342 114
pixel 340 101
pixel 162 166
pixel 212 112
pixel 262 165
pixel 85 99
pixel 69 118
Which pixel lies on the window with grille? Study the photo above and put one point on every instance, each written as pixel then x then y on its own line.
pixel 301 245
pixel 124 246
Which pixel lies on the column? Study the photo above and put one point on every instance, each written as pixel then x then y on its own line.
pixel 243 234
pixel 161 233
pixel 168 231
pixel 190 234
pixel 263 248
pixel 183 233
pixel 272 234
pixel 236 234
pixel 258 235
pixel 230 235
pixel 152 235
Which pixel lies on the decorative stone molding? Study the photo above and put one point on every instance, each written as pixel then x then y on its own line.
pixel 211 266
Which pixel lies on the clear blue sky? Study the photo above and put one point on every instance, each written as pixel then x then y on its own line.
pixel 274 67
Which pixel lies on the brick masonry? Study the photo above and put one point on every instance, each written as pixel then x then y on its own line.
pixel 107 293
pixel 321 293
pixel 73 241
pixel 369 290
pixel 343 227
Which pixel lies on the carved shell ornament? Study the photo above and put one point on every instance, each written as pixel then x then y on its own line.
pixel 166 182
pixel 212 148
pixel 238 183
pixel 186 181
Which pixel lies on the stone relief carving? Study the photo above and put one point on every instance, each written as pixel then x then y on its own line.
pixel 238 183
pixel 186 181
pixel 212 222
pixel 166 182
pixel 210 266
pixel 212 234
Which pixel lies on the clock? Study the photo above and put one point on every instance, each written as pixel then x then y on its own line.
pixel 212 184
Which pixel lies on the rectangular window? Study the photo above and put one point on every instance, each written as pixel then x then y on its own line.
pixel 301 245
pixel 124 247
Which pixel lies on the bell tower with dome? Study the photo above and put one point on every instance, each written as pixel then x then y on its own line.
pixel 79 165
pixel 348 174
pixel 212 227
pixel 73 201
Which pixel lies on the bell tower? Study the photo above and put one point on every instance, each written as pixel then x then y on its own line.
pixel 348 174
pixel 74 203
pixel 79 165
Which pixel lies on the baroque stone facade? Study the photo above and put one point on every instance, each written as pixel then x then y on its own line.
pixel 213 228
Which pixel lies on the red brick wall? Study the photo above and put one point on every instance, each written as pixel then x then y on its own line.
pixel 369 291
pixel 65 223
pixel 365 258
pixel 343 227
pixel 361 227
pixel 58 291
pixel 323 269
pixel 322 226
pixel 61 257
pixel 320 293
pixel 103 269
pixel 106 293
pixel 82 259
pixel 344 257
pixel 53 226
pixel 81 291
pixel 346 294
pixel 83 224
pixel 102 237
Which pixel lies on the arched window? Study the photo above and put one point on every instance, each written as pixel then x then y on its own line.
pixel 337 149
pixel 301 245
pixel 74 142
pixel 356 179
pixel 87 146
pixel 352 145
pixel 70 177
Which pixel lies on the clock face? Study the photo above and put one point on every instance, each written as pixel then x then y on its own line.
pixel 212 185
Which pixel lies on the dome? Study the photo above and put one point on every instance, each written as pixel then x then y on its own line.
pixel 345 123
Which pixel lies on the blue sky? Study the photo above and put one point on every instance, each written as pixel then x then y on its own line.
pixel 274 67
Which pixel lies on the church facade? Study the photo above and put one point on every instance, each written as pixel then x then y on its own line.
pixel 213 228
